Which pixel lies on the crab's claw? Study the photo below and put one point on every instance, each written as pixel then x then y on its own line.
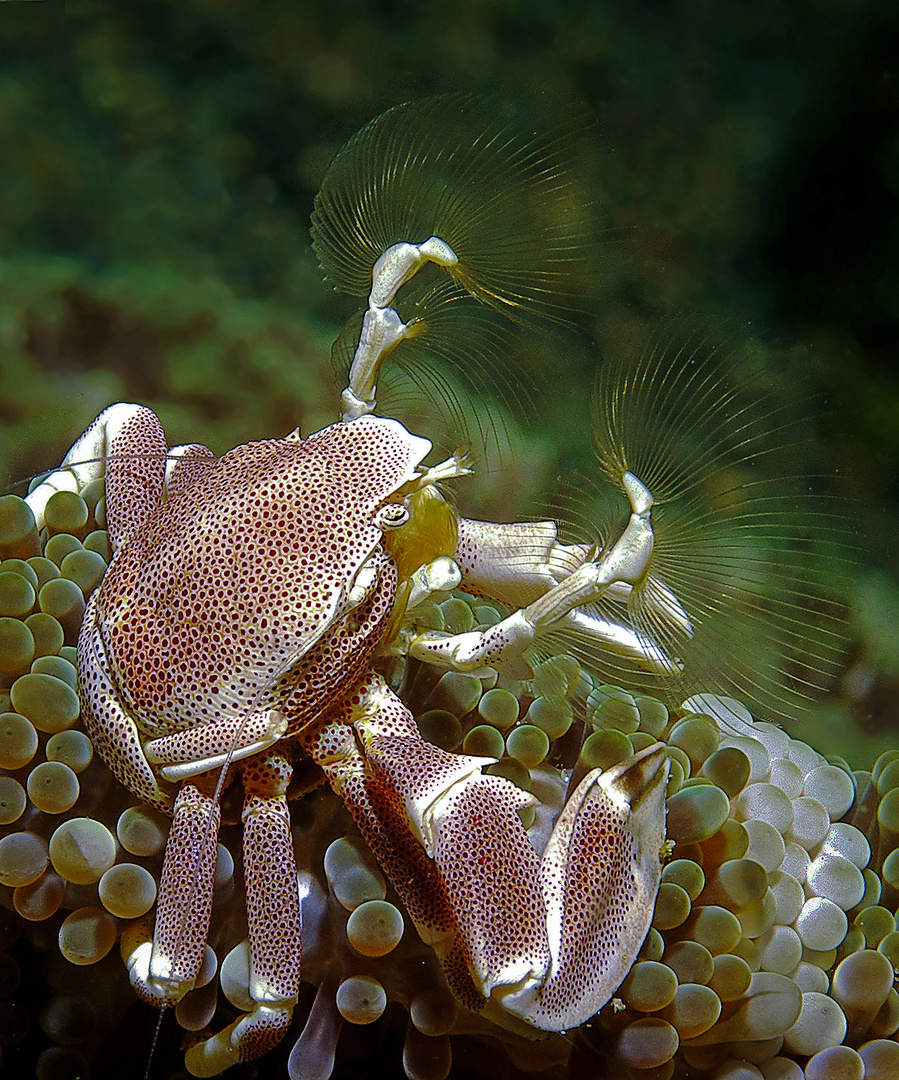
pixel 599 875
pixel 548 939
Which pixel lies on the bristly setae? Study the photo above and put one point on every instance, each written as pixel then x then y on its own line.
pixel 755 546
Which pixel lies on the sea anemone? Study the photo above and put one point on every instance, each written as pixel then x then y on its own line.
pixel 774 945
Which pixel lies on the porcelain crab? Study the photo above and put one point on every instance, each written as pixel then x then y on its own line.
pixel 240 624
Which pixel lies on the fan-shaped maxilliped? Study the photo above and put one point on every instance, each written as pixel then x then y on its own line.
pixel 747 544
pixel 508 201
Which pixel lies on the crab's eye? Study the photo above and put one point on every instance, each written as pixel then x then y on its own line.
pixel 392 516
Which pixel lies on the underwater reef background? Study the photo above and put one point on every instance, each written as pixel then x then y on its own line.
pixel 161 159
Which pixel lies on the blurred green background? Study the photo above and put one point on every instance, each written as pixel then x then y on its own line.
pixel 160 160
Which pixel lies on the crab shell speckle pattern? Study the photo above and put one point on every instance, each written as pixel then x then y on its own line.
pixel 224 591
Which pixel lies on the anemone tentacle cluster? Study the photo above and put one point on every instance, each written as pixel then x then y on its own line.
pixel 774 946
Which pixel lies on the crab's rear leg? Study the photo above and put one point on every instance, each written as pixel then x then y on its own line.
pixel 126 446
pixel 549 939
pixel 273 920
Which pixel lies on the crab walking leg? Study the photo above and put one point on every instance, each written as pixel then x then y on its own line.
pixel 163 971
pixel 550 939
pixel 273 920
pixel 132 436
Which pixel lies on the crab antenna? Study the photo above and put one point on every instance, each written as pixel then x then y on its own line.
pixel 749 559
pixel 449 181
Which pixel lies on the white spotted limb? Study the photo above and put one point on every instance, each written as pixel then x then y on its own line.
pixel 273 920
pixel 549 939
pixel 164 969
pixel 126 446
pixel 128 433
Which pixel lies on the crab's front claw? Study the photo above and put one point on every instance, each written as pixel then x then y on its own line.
pixel 552 946
pixel 549 939
pixel 599 874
